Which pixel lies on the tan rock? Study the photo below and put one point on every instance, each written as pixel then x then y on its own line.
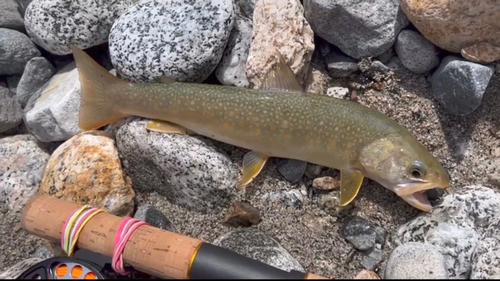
pixel 86 169
pixel 367 274
pixel 481 53
pixel 279 25
pixel 455 25
pixel 326 183
pixel 316 81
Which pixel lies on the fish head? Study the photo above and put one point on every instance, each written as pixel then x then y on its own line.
pixel 403 165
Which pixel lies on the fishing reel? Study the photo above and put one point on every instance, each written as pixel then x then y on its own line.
pixel 63 268
pixel 84 265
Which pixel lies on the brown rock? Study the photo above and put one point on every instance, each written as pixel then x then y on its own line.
pixel 481 53
pixel 242 214
pixel 279 26
pixel 367 274
pixel 86 169
pixel 326 183
pixel 455 25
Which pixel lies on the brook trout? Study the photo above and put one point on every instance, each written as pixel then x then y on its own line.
pixel 277 120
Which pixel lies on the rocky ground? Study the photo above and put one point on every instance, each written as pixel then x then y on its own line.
pixel 288 216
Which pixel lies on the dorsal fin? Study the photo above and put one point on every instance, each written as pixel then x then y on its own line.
pixel 281 77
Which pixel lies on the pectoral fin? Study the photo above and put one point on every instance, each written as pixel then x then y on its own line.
pixel 253 162
pixel 167 127
pixel 350 182
pixel 281 77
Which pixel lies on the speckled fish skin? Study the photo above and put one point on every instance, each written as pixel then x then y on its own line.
pixel 279 120
pixel 309 127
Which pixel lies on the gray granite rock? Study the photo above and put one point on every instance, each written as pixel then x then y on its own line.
pixel 16 270
pixel 12 82
pixel 51 113
pixel 456 226
pixel 255 244
pixel 232 68
pixel 16 49
pixel 358 28
pixel 246 7
pixel 154 217
pixel 416 53
pixel 415 260
pixel 9 15
pixel 486 260
pixel 21 170
pixel 11 113
pixel 188 170
pixel 55 25
pixel 36 73
pixel 181 39
pixel 360 232
pixel 459 85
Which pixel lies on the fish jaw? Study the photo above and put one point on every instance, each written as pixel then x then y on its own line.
pixel 414 193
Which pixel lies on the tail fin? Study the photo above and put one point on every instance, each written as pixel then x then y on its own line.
pixel 97 84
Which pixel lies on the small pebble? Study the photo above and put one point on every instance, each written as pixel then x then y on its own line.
pixel 154 217
pixel 242 214
pixel 340 66
pixel 416 260
pixel 11 113
pixel 337 92
pixel 313 170
pixel 326 183
pixel 293 198
pixel 36 73
pixel 360 232
pixel 292 170
pixel 367 274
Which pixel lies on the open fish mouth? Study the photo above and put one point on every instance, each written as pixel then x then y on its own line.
pixel 414 193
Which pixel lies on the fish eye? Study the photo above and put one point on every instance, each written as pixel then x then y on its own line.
pixel 417 169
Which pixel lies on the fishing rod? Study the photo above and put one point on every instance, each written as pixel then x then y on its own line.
pixel 145 248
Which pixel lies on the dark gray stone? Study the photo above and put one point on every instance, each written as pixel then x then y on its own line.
pixel 36 73
pixel 360 232
pixel 11 113
pixel 154 217
pixel 55 25
pixel 416 53
pixel 257 245
pixel 340 66
pixel 374 256
pixel 16 49
pixel 459 85
pixel 182 39
pixel 358 28
pixel 415 260
pixel 9 15
pixel 292 170
pixel 188 170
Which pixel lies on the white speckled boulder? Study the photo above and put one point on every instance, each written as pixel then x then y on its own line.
pixel 188 170
pixel 55 25
pixel 182 39
pixel 22 164
pixel 457 227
